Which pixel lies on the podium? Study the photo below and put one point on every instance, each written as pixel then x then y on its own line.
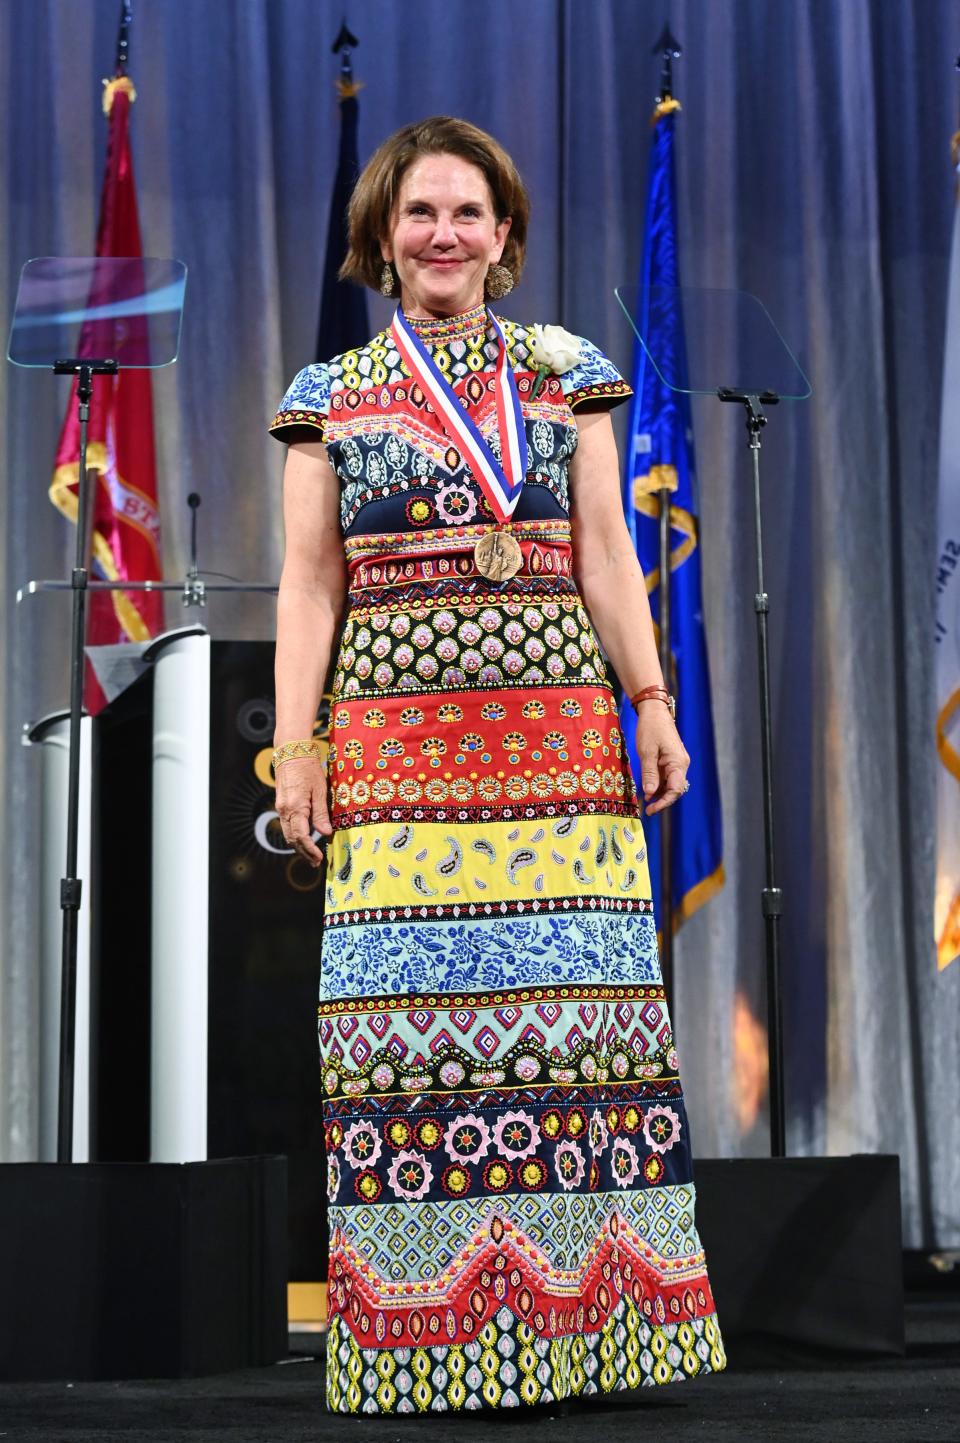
pixel 199 958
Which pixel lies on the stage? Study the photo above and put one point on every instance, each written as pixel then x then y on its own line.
pixel 915 1399
pixel 552 1063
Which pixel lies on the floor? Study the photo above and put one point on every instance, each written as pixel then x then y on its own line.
pixel 915 1399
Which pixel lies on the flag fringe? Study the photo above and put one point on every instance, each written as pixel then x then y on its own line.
pixel 64 495
pixel 946 753
pixel 693 900
pixel 658 478
pixel 680 520
pixel 948 943
pixel 696 898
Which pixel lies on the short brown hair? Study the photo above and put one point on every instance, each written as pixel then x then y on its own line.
pixel 375 194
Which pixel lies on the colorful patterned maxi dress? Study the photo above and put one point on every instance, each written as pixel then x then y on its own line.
pixel 511 1194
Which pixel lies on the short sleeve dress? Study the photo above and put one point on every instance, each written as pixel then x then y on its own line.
pixel 509 1169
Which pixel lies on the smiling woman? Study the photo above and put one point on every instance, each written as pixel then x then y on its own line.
pixel 444 237
pixel 509 1170
pixel 492 186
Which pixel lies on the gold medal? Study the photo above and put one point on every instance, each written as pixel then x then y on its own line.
pixel 498 556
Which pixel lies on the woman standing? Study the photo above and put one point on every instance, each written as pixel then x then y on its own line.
pixel 510 1184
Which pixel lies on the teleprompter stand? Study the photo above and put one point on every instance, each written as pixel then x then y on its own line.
pixel 714 325
pixel 100 313
pixel 786 1237
pixel 771 898
pixel 71 886
pixel 208 1292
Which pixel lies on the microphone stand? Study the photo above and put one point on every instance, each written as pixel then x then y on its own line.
pixel 194 591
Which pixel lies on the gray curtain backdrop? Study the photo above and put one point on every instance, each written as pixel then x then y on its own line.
pixel 814 171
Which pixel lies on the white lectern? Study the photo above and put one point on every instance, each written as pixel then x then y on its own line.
pixel 180 888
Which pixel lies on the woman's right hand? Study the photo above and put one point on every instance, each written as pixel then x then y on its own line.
pixel 302 805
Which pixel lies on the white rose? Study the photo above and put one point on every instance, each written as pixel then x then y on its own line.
pixel 554 348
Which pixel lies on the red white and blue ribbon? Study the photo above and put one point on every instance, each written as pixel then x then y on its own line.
pixel 500 483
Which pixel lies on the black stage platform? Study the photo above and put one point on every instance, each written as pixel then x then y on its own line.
pixel 914 1399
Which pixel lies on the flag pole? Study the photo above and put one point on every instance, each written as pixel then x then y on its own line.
pixel 344 45
pixel 342 324
pixel 123 37
pixel 669 50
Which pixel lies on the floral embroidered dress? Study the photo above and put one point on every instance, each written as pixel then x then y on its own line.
pixel 511 1195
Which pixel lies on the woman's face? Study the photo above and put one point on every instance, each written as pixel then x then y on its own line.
pixel 443 236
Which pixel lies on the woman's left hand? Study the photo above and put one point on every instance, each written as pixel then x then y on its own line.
pixel 663 757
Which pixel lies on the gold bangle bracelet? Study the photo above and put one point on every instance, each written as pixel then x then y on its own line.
pixel 288 751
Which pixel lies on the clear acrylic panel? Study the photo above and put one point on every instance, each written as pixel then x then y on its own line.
pixel 122 308
pixel 702 340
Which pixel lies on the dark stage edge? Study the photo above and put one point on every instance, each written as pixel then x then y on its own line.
pixel 915 1399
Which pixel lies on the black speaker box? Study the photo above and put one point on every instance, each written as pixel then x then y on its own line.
pixel 804 1255
pixel 142 1270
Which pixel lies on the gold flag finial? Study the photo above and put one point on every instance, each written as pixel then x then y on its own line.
pixel 112 87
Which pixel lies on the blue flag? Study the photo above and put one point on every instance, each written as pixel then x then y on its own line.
pixel 660 454
pixel 343 306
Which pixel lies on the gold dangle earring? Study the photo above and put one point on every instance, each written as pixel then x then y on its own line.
pixel 499 282
pixel 386 280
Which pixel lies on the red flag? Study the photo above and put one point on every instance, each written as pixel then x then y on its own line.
pixel 126 517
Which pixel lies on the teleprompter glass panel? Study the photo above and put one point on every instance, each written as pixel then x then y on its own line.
pixel 122 308
pixel 700 340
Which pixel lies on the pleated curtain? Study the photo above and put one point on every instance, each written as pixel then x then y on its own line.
pixel 814 171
